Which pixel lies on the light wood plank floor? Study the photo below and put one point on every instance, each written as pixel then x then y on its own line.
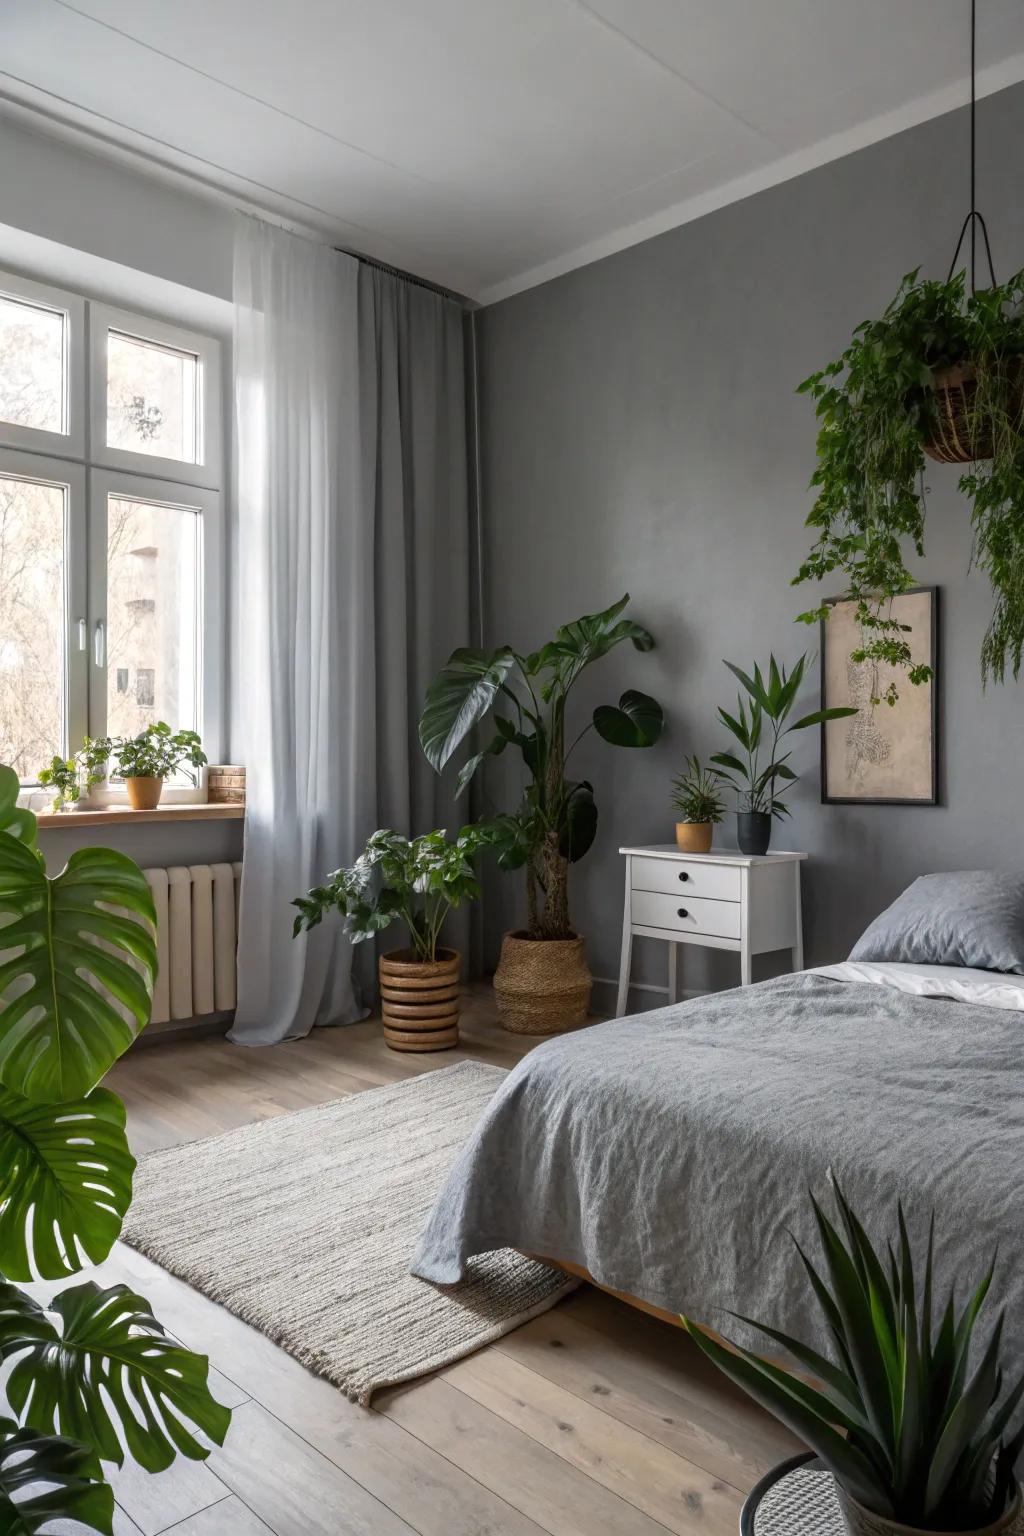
pixel 591 1419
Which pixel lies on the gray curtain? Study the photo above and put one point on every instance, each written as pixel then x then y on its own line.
pixel 352 584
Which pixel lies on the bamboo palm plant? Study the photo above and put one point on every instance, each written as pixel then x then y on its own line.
pixel 77 965
pixel 911 1432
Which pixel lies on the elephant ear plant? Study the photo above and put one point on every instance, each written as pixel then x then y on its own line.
pixel 77 964
pixel 916 1425
pixel 556 821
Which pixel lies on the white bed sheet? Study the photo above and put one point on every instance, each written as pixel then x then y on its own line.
pixel 992 989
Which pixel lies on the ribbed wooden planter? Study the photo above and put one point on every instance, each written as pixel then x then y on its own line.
pixel 862 1522
pixel 419 1000
pixel 542 985
pixel 957 438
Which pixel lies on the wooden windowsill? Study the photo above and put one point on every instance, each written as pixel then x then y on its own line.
pixel 116 815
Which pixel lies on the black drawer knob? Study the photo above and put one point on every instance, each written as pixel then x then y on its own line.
pixel 683 875
pixel 682 912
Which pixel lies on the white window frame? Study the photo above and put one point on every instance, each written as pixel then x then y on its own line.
pixel 42 470
pixel 81 461
pixel 102 320
pixel 72 442
pixel 104 483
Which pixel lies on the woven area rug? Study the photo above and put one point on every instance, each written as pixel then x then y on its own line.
pixel 305 1225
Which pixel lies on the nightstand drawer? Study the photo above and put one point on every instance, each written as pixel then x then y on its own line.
pixel 684 913
pixel 684 877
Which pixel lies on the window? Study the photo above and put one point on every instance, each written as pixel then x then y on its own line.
pixel 110 539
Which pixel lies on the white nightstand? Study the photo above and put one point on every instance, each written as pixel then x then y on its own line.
pixel 743 902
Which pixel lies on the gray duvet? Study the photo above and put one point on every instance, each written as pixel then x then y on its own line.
pixel 669 1152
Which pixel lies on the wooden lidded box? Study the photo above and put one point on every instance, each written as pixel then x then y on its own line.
pixel 225 784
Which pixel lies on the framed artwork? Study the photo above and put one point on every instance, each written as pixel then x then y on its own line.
pixel 888 754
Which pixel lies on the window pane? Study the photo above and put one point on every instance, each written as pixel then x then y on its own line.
pixel 153 615
pixel 33 340
pixel 33 625
pixel 152 398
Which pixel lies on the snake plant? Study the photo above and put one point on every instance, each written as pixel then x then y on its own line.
pixel 77 965
pixel 914 1425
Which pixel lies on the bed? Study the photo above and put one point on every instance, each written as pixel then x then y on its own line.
pixel 668 1155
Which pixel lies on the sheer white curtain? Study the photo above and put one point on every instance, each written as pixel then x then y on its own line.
pixel 351 587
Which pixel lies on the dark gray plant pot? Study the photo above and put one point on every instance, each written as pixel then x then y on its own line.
pixel 753 831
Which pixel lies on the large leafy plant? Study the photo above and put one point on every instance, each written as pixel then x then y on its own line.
pixel 556 820
pixel 758 727
pixel 94 1368
pixel 908 1428
pixel 396 879
pixel 877 408
pixel 157 753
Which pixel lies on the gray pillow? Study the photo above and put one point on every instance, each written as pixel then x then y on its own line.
pixel 973 918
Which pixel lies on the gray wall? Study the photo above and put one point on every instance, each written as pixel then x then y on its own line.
pixel 640 432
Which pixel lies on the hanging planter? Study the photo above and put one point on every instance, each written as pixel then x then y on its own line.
pixel 940 374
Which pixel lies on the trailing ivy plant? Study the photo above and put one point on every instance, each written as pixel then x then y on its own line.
pixel 877 408
pixel 76 979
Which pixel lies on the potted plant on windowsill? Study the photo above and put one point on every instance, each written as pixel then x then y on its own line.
pixel 759 726
pixel 146 760
pixel 699 805
pixel 416 882
pixel 542 981
pixel 75 991
pixel 915 1433
pixel 73 778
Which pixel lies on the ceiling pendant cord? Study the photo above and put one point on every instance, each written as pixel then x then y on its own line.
pixel 974 220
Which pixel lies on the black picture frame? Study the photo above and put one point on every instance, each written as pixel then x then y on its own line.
pixel 934 796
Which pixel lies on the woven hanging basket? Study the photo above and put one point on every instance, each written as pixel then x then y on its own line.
pixel 542 985
pixel 862 1522
pixel 957 437
pixel 419 1000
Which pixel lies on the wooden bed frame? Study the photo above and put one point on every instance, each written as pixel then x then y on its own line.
pixel 580 1273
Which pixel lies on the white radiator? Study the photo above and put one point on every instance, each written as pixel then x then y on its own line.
pixel 196 933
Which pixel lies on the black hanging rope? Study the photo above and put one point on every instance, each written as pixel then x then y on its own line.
pixel 974 220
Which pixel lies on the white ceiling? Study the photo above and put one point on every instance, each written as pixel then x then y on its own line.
pixel 491 144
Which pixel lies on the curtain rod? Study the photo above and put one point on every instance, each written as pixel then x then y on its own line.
pixel 408 277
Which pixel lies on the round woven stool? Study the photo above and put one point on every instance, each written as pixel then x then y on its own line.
pixel 796 1498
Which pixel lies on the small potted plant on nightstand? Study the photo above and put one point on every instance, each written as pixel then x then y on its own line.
pixel 146 760
pixel 698 801
pixel 759 726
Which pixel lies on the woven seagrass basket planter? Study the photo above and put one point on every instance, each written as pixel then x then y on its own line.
pixel 543 986
pixel 862 1522
pixel 419 1000
pixel 957 437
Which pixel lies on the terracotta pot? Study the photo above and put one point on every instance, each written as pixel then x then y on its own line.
pixel 542 985
pixel 144 793
pixel 863 1522
pixel 419 1000
pixel 694 836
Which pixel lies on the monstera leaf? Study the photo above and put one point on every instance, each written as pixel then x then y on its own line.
pixel 71 1000
pixel 14 822
pixel 462 693
pixel 109 1365
pixel 45 1478
pixel 579 827
pixel 637 722
pixel 65 1184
